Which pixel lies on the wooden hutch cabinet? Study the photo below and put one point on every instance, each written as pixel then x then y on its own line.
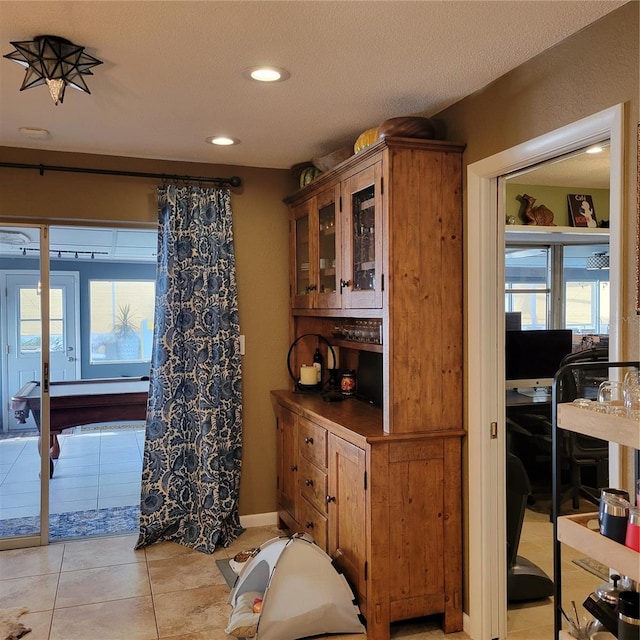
pixel 376 243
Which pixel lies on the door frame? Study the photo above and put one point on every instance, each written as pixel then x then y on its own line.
pixel 487 592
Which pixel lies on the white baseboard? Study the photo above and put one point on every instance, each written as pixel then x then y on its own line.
pixel 259 519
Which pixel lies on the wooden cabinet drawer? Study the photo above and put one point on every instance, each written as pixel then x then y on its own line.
pixel 313 523
pixel 313 485
pixel 312 442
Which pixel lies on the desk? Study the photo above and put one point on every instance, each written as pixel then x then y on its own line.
pixel 515 399
pixel 78 402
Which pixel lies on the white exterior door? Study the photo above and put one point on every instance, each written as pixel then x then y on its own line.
pixel 21 334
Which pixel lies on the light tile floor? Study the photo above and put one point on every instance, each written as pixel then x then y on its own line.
pixel 98 468
pixel 534 620
pixel 100 587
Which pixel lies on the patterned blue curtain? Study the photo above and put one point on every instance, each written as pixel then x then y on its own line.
pixel 192 454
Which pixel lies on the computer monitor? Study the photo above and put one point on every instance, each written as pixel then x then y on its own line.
pixel 533 357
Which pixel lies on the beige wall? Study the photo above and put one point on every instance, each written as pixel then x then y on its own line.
pixel 589 72
pixel 261 243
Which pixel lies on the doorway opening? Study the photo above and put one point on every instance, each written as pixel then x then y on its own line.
pixel 485 334
pixel 557 306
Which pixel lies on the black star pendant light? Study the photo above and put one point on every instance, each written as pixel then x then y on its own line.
pixel 53 61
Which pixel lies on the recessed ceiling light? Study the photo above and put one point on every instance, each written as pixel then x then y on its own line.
pixel 222 141
pixel 33 132
pixel 266 74
pixel 596 148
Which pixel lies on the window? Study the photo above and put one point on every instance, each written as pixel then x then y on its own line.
pixel 30 327
pixel 586 292
pixel 528 284
pixel 553 289
pixel 121 320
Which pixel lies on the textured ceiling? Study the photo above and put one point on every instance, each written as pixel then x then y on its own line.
pixel 172 72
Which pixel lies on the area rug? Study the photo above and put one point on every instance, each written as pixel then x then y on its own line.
pixel 590 565
pixel 10 628
pixel 227 572
pixel 77 524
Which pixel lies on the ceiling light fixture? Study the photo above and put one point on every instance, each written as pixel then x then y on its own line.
pixel 35 133
pixel 266 74
pixel 53 61
pixel 222 141
pixel 598 261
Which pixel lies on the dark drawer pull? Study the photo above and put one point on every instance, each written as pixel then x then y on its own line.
pixel 309 525
pixel 309 482
pixel 331 499
pixel 293 467
pixel 308 440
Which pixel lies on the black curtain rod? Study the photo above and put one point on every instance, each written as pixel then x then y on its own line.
pixel 233 181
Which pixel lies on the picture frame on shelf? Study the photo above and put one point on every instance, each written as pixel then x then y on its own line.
pixel 581 210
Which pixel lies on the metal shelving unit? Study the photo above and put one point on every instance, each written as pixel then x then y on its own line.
pixel 574 530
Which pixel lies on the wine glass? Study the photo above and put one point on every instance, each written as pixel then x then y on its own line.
pixel 632 378
pixel 632 402
pixel 611 394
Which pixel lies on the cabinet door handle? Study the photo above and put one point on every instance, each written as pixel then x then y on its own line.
pixel 309 482
pixel 309 524
pixel 293 467
pixel 308 440
pixel 344 284
pixel 331 499
pixel 311 287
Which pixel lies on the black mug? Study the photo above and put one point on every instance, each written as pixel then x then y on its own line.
pixel 615 517
pixel 609 491
pixel 629 615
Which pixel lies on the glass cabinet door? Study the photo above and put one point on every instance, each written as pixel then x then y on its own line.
pixel 303 280
pixel 362 280
pixel 329 258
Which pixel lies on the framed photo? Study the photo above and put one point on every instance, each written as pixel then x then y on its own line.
pixel 581 210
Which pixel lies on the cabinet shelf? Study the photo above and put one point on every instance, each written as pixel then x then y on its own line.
pixel 366 204
pixel 537 234
pixel 575 531
pixel 354 344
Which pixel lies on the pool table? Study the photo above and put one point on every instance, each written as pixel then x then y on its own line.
pixel 78 402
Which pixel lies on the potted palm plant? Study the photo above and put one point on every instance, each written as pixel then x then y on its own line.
pixel 125 331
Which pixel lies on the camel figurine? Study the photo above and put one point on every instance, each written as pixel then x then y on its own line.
pixel 540 215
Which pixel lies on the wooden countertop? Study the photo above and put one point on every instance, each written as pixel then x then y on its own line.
pixel 352 419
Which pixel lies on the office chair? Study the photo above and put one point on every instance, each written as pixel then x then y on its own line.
pixel 525 580
pixel 578 452
pixel 584 451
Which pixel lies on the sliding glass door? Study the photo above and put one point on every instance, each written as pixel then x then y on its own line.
pixel 86 313
pixel 23 472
